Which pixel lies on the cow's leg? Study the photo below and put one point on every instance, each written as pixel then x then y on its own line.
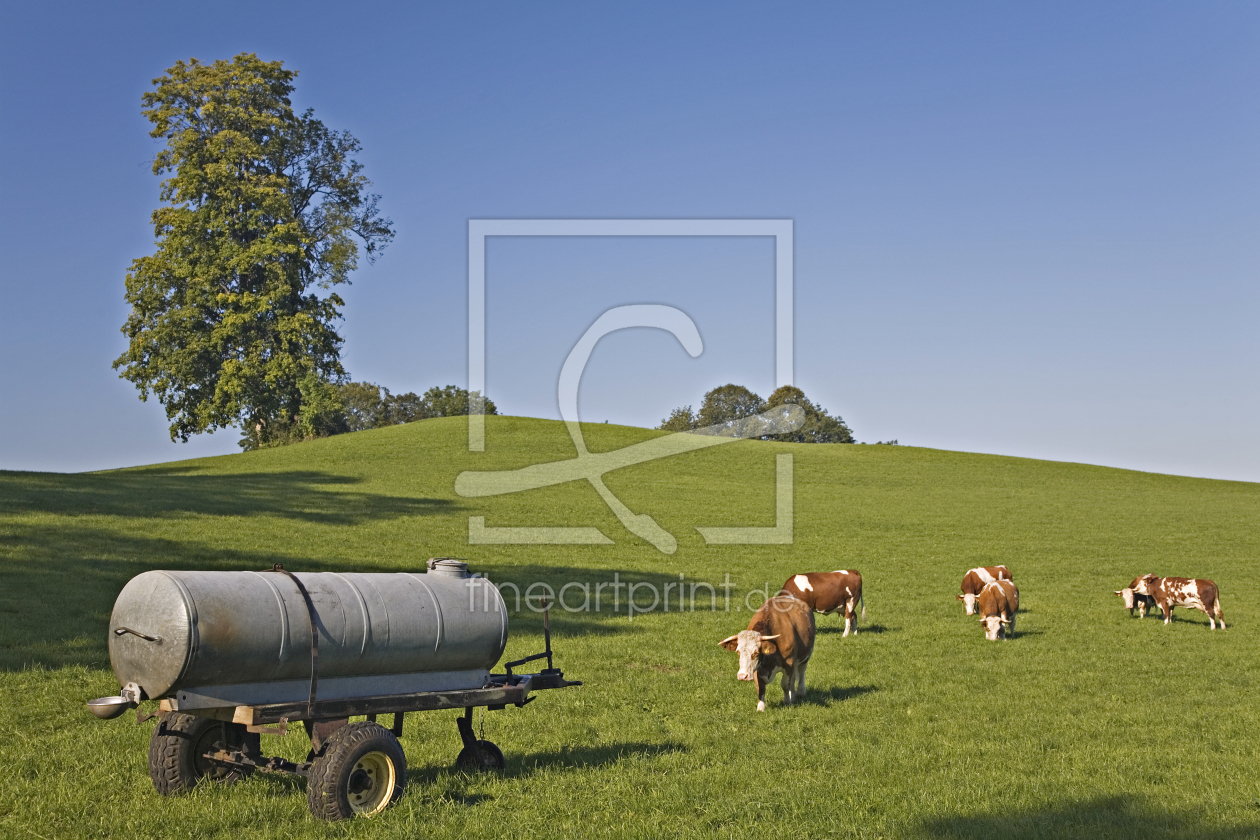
pixel 789 686
pixel 1167 608
pixel 761 691
pixel 800 680
pixel 1220 616
pixel 1010 631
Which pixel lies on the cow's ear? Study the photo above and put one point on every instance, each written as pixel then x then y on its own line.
pixel 768 648
pixel 730 643
pixel 960 598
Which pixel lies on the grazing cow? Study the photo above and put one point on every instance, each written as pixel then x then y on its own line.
pixel 975 580
pixel 1135 600
pixel 828 592
pixel 997 604
pixel 780 637
pixel 1169 592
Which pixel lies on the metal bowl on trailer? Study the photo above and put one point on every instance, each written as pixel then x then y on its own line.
pixel 231 656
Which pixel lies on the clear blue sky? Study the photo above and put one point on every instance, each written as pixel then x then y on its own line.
pixel 1021 229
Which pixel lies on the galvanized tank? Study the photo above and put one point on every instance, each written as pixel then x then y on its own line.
pixel 244 638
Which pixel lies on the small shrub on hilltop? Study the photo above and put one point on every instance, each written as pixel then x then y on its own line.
pixel 729 403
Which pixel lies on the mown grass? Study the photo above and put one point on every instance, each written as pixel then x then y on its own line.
pixel 1086 724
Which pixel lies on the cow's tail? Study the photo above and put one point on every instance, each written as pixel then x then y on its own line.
pixel 863 599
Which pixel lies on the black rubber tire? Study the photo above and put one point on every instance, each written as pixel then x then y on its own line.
pixel 490 758
pixel 335 772
pixel 177 747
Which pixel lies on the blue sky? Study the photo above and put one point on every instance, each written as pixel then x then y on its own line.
pixel 1027 229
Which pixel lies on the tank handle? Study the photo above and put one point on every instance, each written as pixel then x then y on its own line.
pixel 310 611
pixel 124 630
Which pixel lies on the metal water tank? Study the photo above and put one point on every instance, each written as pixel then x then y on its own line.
pixel 218 639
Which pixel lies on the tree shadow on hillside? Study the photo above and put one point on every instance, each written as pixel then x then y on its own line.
pixel 594 601
pixel 58 593
pixel 296 494
pixel 59 583
pixel 1110 816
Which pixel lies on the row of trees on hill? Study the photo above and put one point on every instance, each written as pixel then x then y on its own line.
pixel 729 403
pixel 356 406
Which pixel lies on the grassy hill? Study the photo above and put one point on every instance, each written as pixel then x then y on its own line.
pixel 1087 724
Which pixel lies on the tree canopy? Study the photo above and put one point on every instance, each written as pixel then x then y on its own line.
pixel 265 211
pixel 729 403
pixel 369 406
pixel 819 426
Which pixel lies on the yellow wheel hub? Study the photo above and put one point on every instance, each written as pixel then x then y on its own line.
pixel 371 784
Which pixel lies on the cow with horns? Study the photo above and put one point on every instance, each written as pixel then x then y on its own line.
pixel 977 579
pixel 1169 592
pixel 997 604
pixel 1134 600
pixel 779 639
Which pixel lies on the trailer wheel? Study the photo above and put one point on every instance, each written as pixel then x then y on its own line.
pixel 178 747
pixel 360 771
pixel 486 757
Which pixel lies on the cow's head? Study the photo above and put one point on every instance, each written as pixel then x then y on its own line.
pixel 751 646
pixel 1145 584
pixel 1130 601
pixel 994 627
pixel 969 602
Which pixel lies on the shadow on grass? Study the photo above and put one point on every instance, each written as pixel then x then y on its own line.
pixel 836 694
pixel 862 628
pixel 57 595
pixel 277 784
pixel 435 781
pixel 565 758
pixel 1112 816
pixel 584 757
pixel 60 571
pixel 594 601
pixel 301 494
pixel 60 588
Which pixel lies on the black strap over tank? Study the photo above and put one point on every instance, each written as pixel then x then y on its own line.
pixel 310 611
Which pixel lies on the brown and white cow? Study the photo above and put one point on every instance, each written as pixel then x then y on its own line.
pixel 1169 592
pixel 997 604
pixel 975 580
pixel 1135 600
pixel 828 592
pixel 779 638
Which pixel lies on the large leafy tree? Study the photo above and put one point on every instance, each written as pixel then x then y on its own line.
pixel 265 211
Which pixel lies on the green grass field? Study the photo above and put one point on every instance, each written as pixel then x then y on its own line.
pixel 1087 724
